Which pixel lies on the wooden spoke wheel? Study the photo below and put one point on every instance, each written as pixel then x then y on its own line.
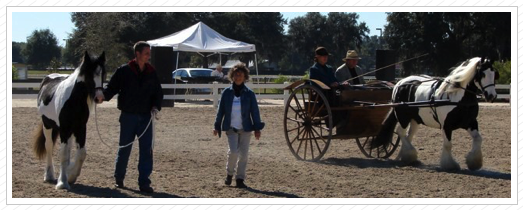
pixel 308 123
pixel 363 144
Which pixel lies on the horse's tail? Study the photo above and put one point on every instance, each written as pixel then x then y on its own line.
pixel 383 139
pixel 39 141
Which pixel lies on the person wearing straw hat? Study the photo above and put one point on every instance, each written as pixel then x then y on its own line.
pixel 350 69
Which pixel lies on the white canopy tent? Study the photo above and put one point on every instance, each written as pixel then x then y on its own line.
pixel 200 38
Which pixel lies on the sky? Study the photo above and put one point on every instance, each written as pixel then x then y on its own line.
pixel 24 23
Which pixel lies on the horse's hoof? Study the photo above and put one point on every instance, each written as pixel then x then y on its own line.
pixel 474 161
pixel 71 181
pixel 49 180
pixel 473 166
pixel 453 167
pixel 62 185
pixel 409 158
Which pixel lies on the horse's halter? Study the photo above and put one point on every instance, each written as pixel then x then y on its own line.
pixel 102 77
pixel 478 76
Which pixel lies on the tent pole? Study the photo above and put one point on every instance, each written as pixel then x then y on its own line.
pixel 220 58
pixel 256 66
pixel 177 57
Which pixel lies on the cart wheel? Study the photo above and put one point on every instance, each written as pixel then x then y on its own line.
pixel 308 123
pixel 377 152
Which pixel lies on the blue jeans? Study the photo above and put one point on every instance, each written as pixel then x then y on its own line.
pixel 131 126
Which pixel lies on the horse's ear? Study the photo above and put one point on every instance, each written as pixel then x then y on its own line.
pixel 86 57
pixel 102 57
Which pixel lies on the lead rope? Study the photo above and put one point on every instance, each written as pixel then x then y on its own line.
pixel 151 122
pixel 98 130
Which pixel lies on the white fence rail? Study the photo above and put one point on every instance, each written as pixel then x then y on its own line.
pixel 215 90
pixel 215 87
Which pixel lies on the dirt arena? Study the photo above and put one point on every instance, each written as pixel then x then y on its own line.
pixel 190 162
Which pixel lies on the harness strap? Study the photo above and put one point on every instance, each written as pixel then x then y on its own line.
pixel 432 97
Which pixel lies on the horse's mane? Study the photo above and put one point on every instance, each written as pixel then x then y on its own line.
pixel 460 76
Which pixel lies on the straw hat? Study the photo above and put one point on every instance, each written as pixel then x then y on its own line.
pixel 351 54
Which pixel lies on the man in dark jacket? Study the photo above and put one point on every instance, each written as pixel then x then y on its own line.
pixel 139 99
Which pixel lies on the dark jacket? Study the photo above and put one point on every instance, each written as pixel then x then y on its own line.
pixel 251 119
pixel 137 91
pixel 324 73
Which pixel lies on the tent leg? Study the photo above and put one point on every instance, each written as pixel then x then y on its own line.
pixel 256 66
pixel 177 58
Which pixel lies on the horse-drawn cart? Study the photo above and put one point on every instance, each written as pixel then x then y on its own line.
pixel 313 110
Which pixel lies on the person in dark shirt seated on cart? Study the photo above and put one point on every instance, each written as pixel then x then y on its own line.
pixel 321 71
pixel 325 74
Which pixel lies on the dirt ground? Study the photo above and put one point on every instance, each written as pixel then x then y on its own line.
pixel 190 162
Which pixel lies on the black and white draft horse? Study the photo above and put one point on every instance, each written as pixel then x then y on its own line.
pixel 64 104
pixel 460 87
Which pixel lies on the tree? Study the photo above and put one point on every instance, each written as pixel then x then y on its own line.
pixel 338 32
pixel 504 72
pixel 15 72
pixel 448 38
pixel 306 34
pixel 95 33
pixel 54 66
pixel 69 57
pixel 41 47
pixel 368 52
pixel 17 52
pixel 116 33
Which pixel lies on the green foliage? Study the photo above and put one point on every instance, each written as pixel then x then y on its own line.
pixel 338 32
pixel 15 72
pixel 54 66
pixel 448 38
pixel 41 47
pixel 281 79
pixel 196 61
pixel 305 76
pixel 504 72
pixel 17 52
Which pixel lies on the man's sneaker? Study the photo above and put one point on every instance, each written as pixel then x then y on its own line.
pixel 228 180
pixel 146 189
pixel 240 184
pixel 119 184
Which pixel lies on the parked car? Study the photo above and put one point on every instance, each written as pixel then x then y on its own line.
pixel 192 76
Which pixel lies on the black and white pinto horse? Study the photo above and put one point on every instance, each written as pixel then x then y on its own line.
pixel 64 103
pixel 460 88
